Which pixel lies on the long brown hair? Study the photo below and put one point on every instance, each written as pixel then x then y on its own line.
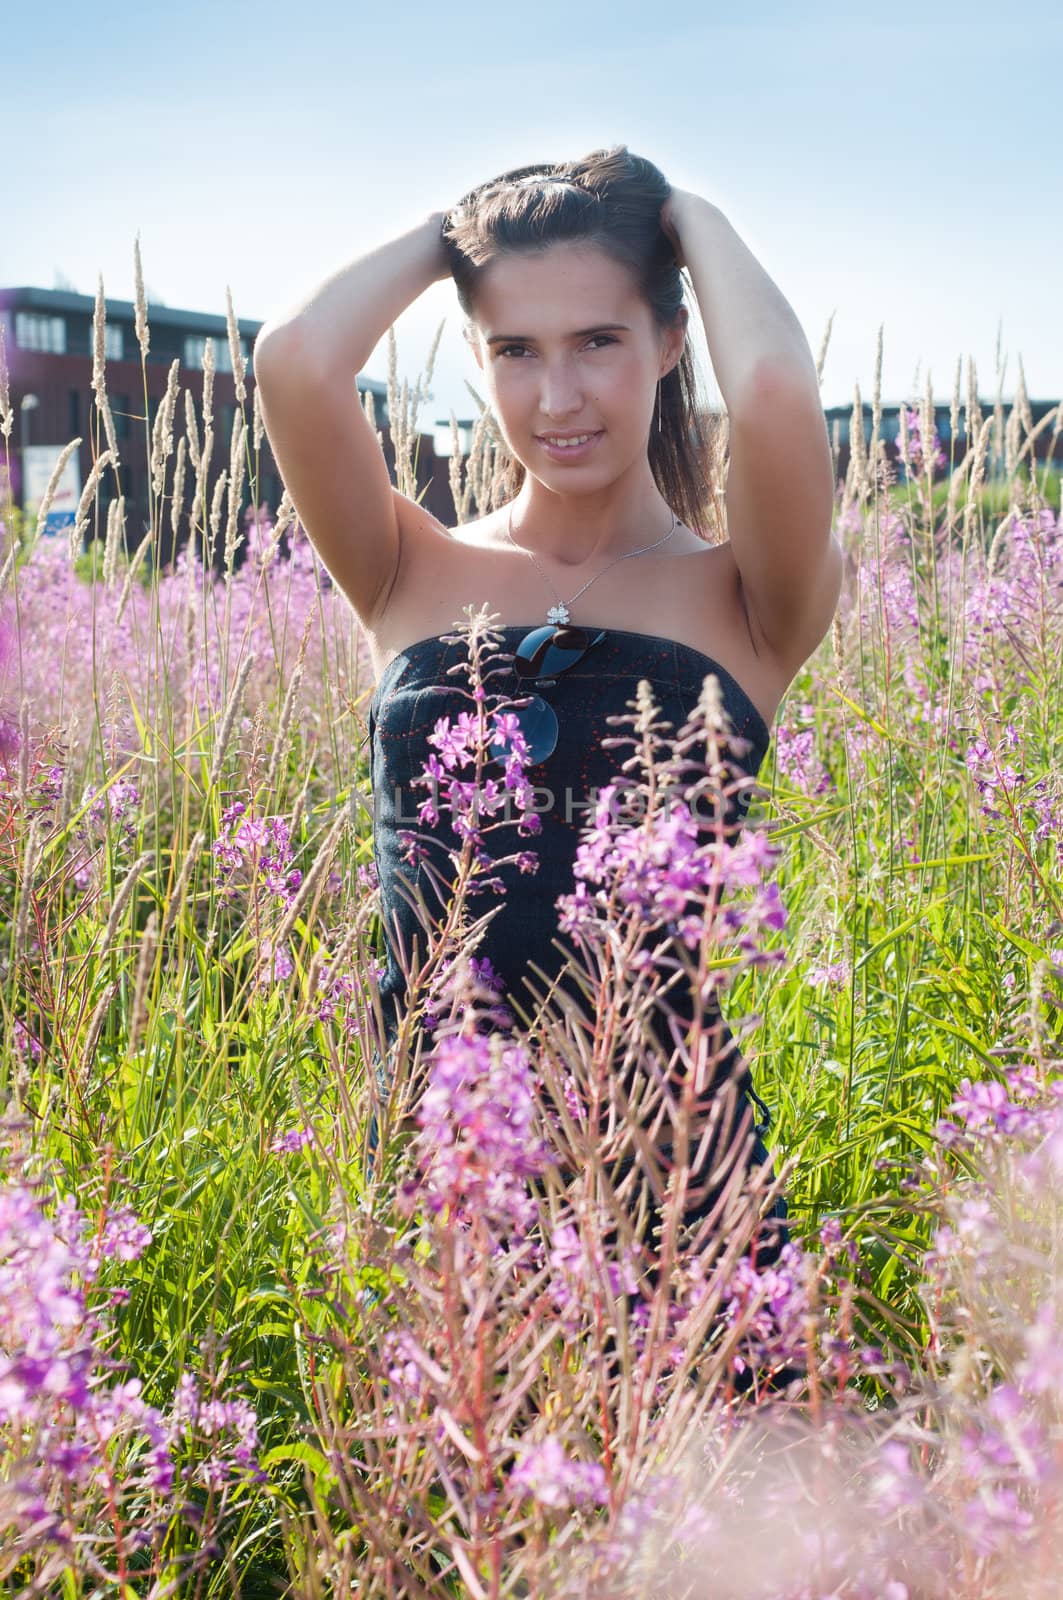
pixel 612 199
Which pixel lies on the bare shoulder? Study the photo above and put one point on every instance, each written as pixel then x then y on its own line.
pixel 426 553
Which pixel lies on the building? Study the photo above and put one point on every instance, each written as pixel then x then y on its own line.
pixel 839 424
pixel 48 340
pixel 840 419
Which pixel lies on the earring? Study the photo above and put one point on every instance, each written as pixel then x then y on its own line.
pixel 658 405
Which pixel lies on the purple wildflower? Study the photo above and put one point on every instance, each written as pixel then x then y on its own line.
pixel 547 1474
pixel 831 974
pixel 253 856
pixel 230 1427
pixel 275 965
pixel 912 453
pixel 772 1307
pixel 124 1237
pixel 477 1142
pixel 294 1139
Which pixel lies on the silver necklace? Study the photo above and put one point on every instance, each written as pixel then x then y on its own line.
pixel 559 613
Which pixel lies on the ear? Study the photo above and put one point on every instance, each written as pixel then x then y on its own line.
pixel 472 340
pixel 674 341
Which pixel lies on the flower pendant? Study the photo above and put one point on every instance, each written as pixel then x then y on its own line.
pixel 558 613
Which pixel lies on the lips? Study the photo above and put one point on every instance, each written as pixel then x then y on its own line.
pixel 566 452
pixel 574 433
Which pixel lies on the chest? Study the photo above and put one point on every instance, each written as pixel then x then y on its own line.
pixel 693 600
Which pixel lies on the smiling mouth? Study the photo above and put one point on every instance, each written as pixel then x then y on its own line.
pixel 570 443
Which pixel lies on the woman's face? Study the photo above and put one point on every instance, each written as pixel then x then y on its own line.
pixel 568 346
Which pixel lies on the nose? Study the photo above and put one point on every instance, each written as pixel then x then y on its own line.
pixel 560 394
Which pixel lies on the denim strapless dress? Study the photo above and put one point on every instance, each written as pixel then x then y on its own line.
pixel 416 689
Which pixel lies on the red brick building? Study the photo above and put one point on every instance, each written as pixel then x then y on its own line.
pixel 48 340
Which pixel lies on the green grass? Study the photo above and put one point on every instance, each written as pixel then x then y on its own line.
pixel 944 955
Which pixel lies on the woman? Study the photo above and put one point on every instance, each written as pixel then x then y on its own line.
pixel 570 278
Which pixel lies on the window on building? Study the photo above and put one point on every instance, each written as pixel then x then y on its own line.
pixel 75 413
pixel 34 331
pixel 195 347
pixel 113 341
pixel 120 413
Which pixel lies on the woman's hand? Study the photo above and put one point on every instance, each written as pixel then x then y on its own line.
pixel 435 222
pixel 679 205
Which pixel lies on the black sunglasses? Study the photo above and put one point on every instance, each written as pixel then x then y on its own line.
pixel 540 657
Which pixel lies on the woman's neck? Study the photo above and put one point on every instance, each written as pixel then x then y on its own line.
pixel 587 530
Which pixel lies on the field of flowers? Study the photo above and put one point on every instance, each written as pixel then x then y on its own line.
pixel 239 1356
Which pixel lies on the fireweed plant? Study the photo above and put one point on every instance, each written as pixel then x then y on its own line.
pixel 239 1356
pixel 96 1480
pixel 952 1489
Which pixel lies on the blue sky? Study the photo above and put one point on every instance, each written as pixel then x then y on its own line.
pixel 896 167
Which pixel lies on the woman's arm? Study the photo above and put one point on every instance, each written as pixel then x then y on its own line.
pixel 749 325
pixel 305 366
pixel 342 321
pixel 780 474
